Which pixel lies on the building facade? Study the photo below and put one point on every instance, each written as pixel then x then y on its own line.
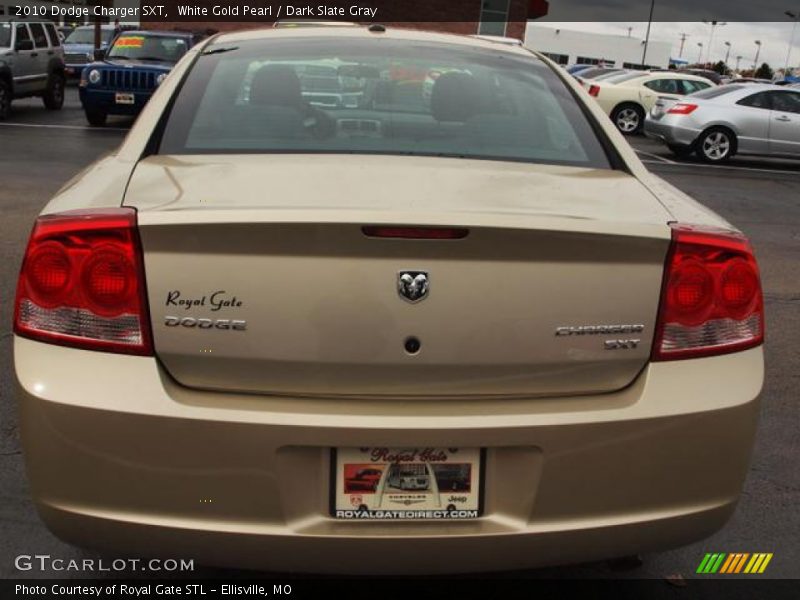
pixel 567 47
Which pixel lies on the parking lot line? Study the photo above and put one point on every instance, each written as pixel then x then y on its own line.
pixel 44 126
pixel 660 158
pixel 723 167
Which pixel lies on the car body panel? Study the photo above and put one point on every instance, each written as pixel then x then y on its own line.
pixel 615 239
pixel 568 479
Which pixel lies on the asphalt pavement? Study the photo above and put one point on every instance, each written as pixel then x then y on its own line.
pixel 40 150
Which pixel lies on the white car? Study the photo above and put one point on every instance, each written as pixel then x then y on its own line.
pixel 628 101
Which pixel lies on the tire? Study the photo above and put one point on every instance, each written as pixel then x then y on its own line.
pixel 628 118
pixel 53 97
pixel 96 118
pixel 5 99
pixel 716 145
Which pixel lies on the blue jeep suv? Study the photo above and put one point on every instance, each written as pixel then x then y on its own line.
pixel 134 66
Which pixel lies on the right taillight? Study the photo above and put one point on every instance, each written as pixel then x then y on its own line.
pixel 682 108
pixel 82 283
pixel 711 301
pixel 594 90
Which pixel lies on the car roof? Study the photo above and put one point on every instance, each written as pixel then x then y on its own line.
pixel 392 33
pixel 102 26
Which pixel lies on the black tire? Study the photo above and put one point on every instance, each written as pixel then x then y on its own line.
pixel 53 97
pixel 628 118
pixel 716 145
pixel 5 99
pixel 96 118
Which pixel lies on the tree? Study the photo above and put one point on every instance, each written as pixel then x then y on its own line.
pixel 765 72
pixel 721 68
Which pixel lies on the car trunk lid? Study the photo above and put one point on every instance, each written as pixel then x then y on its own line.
pixel 261 278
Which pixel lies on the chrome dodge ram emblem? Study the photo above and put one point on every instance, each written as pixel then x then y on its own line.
pixel 412 285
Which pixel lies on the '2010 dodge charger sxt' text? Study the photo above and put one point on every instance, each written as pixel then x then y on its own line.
pixel 328 252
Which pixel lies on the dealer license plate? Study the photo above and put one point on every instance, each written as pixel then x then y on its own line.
pixel 407 483
pixel 121 98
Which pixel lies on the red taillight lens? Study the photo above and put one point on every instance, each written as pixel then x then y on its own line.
pixel 416 233
pixel 594 90
pixel 711 300
pixel 682 108
pixel 82 283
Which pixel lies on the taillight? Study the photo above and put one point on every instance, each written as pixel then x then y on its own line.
pixel 682 108
pixel 82 283
pixel 711 300
pixel 594 90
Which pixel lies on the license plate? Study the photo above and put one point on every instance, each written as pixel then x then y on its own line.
pixel 407 483
pixel 120 98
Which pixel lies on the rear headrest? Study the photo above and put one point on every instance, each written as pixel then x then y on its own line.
pixel 456 97
pixel 276 85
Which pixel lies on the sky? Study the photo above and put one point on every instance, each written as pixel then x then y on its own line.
pixel 774 39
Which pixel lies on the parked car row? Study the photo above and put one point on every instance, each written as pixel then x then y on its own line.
pixel 118 78
pixel 691 114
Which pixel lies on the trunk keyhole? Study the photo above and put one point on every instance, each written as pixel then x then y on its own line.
pixel 412 345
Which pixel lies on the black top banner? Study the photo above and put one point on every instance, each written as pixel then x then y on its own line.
pixel 427 11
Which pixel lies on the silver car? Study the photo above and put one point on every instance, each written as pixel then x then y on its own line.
pixel 717 123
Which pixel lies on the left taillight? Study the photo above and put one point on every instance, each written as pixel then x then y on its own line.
pixel 594 90
pixel 82 283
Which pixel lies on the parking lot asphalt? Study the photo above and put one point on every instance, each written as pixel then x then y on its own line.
pixel 41 150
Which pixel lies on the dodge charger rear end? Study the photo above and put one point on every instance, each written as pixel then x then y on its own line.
pixel 267 290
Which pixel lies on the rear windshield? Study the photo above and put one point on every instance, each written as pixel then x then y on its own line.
pixel 5 35
pixel 331 95
pixel 620 77
pixel 715 92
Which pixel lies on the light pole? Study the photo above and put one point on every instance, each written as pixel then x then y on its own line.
pixel 794 17
pixel 647 37
pixel 699 54
pixel 758 53
pixel 714 25
pixel 727 54
pixel 683 41
pixel 738 61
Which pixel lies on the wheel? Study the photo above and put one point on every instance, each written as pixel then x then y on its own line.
pixel 680 151
pixel 96 118
pixel 5 99
pixel 629 118
pixel 716 145
pixel 53 97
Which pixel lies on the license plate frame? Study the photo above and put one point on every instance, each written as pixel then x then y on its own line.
pixel 124 98
pixel 366 483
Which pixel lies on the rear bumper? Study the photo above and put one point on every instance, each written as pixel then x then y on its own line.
pixel 120 457
pixel 670 134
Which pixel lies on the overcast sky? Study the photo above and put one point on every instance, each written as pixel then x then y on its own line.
pixel 774 38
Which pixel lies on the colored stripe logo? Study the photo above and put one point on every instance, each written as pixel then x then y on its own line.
pixel 734 563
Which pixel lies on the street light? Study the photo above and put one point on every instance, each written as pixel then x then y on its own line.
pixel 794 17
pixel 738 61
pixel 700 54
pixel 647 37
pixel 727 54
pixel 758 53
pixel 714 25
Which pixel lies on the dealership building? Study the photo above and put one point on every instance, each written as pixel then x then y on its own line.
pixel 568 47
